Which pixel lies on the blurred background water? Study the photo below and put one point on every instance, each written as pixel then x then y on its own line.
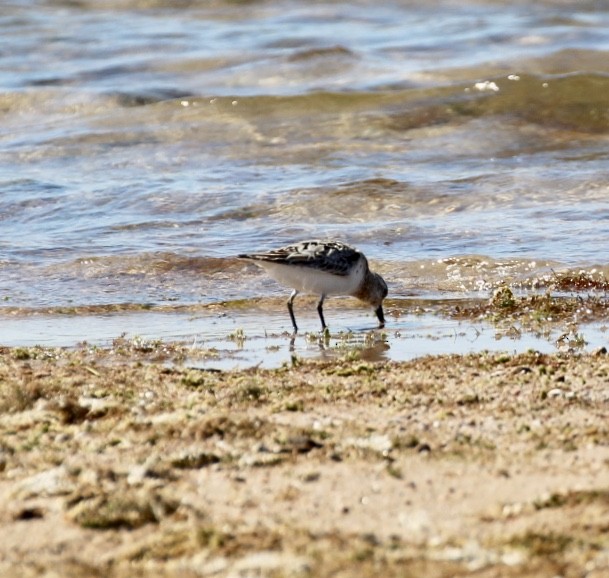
pixel 144 143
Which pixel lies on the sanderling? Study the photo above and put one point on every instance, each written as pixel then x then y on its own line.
pixel 324 268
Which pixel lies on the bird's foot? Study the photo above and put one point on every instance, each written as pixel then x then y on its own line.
pixel 324 336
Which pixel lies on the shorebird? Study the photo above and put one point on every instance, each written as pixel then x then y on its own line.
pixel 323 268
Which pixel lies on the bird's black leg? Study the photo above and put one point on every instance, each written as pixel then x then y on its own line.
pixel 381 317
pixel 291 310
pixel 320 310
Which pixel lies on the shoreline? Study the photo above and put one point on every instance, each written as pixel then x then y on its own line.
pixel 246 333
pixel 126 461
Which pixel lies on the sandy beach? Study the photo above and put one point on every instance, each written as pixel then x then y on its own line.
pixel 125 461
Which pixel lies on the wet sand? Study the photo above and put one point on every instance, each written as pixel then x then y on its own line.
pixel 128 461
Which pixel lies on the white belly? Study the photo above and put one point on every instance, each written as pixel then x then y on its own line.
pixel 308 280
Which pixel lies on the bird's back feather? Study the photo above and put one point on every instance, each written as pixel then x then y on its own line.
pixel 329 256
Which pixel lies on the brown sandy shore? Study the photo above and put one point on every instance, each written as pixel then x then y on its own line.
pixel 125 462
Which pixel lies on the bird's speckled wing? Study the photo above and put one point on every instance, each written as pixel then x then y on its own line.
pixel 329 256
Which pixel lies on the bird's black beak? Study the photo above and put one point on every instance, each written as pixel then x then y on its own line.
pixel 379 314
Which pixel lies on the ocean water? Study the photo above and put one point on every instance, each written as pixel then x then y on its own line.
pixel 145 143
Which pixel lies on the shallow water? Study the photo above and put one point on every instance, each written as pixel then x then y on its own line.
pixel 143 144
pixel 231 339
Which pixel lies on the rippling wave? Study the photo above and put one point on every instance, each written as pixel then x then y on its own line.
pixel 149 142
